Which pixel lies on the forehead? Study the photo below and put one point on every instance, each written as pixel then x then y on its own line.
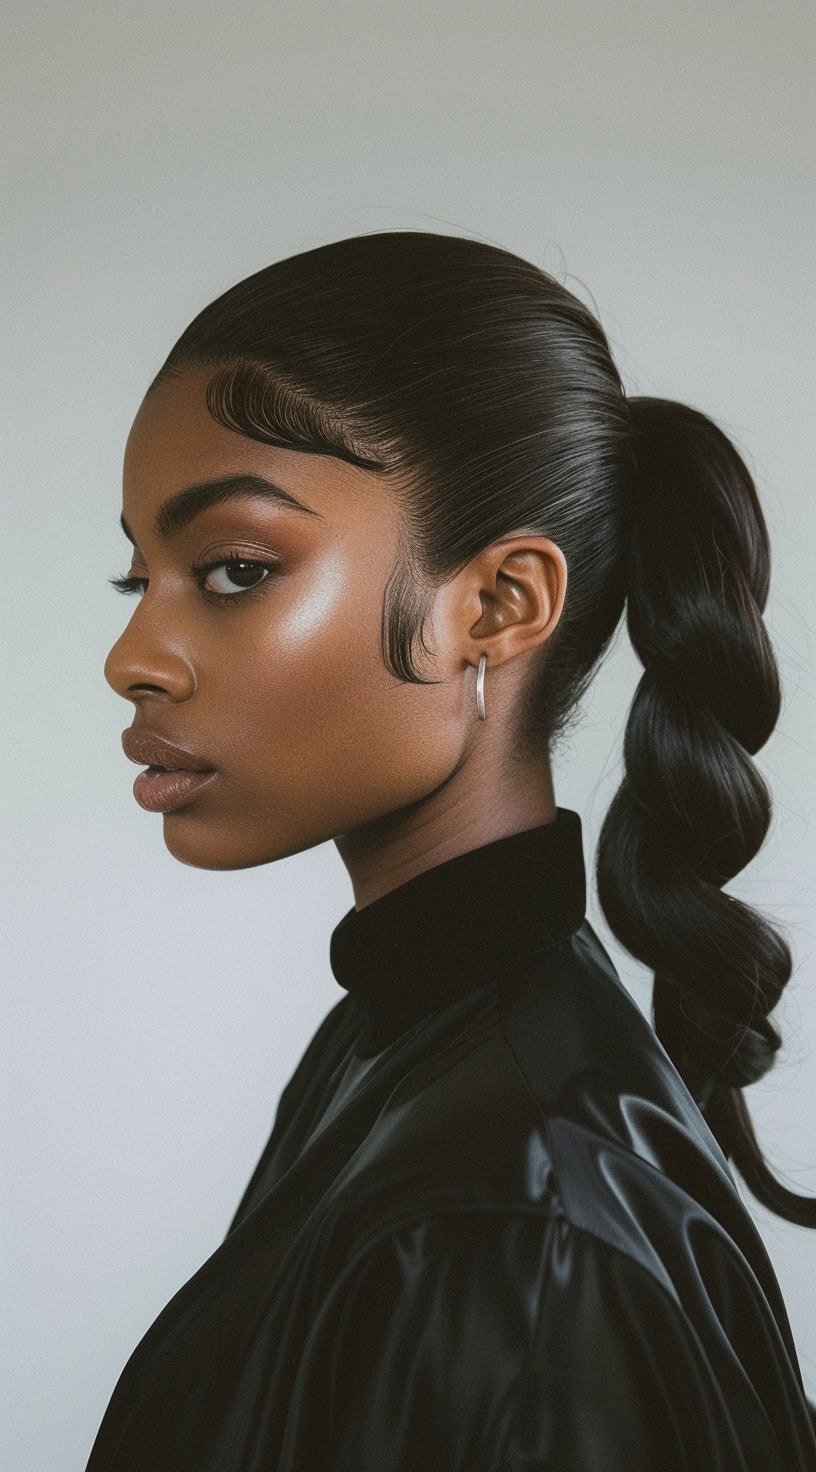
pixel 174 442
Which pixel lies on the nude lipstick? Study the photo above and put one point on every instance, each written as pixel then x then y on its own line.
pixel 159 791
pixel 175 775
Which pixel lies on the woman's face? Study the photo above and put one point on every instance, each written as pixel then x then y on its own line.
pixel 282 690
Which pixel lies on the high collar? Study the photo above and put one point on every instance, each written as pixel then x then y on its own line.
pixel 458 925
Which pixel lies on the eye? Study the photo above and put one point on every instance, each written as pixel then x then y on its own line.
pixel 240 568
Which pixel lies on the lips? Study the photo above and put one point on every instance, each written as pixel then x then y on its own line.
pixel 148 749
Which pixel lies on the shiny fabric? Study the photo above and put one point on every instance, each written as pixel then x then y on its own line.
pixel 490 1230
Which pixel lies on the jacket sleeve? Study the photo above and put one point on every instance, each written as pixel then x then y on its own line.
pixel 490 1342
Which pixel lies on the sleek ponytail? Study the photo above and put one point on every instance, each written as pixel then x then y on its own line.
pixel 485 394
pixel 693 808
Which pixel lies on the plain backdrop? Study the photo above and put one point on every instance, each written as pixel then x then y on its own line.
pixel 657 158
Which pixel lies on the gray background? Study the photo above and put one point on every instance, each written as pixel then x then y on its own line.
pixel 657 158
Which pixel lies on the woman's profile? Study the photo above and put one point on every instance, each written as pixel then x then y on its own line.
pixel 388 501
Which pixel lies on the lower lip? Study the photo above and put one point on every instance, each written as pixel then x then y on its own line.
pixel 159 792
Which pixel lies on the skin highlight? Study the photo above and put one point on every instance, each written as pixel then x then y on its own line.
pixel 284 691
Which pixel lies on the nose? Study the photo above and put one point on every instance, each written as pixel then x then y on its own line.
pixel 135 666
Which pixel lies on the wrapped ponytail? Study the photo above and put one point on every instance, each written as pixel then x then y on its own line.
pixel 693 808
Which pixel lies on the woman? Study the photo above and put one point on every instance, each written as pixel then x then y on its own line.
pixel 388 500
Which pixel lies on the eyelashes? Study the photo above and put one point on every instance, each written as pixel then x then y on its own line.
pixel 201 571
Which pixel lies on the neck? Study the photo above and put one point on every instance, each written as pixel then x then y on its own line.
pixel 458 926
pixel 473 806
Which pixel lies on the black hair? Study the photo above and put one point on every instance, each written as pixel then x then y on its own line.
pixel 485 393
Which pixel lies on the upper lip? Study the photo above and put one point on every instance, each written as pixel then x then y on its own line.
pixel 148 749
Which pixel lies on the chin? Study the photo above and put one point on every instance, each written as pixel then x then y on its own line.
pixel 211 846
pixel 187 843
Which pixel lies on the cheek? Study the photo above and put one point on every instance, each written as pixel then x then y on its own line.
pixel 317 614
pixel 325 639
pixel 313 663
pixel 315 710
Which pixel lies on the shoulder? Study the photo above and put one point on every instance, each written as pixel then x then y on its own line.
pixel 629 1155
pixel 560 1093
pixel 503 1340
pixel 564 1121
pixel 540 1258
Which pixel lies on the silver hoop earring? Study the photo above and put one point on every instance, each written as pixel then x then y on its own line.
pixel 480 705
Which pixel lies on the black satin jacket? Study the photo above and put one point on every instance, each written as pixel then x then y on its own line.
pixel 490 1231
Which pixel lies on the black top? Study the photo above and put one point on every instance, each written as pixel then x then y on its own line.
pixel 490 1231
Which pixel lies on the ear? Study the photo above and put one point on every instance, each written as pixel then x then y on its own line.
pixel 512 596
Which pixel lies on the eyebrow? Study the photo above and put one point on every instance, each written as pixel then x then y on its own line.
pixel 180 509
